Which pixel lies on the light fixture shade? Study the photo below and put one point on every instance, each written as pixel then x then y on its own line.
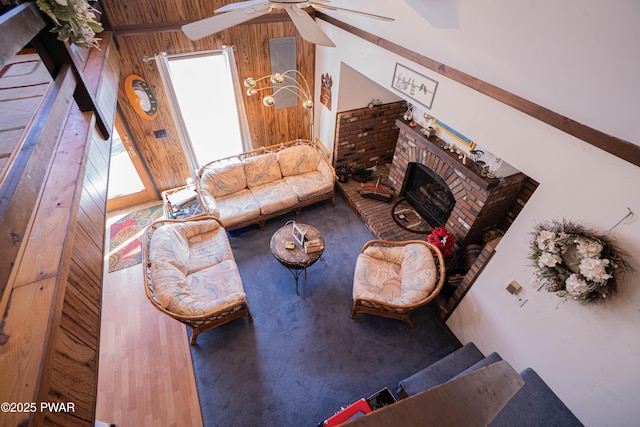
pixel 268 101
pixel 277 79
pixel 249 82
pixel 308 104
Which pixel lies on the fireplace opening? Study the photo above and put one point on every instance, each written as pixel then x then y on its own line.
pixel 428 194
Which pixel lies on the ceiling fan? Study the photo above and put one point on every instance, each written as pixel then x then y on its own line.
pixel 237 13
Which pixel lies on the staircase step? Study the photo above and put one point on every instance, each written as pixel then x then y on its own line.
pixel 442 370
pixel 535 405
pixel 486 361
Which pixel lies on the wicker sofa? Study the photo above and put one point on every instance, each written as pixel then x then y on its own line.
pixel 255 186
pixel 190 273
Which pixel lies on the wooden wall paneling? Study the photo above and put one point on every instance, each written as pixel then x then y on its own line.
pixel 106 96
pixel 267 125
pixel 164 157
pixel 74 367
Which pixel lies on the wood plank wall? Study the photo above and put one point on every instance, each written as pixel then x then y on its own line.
pixel 49 351
pixel 146 24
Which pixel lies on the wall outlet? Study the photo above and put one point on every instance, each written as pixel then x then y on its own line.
pixel 519 301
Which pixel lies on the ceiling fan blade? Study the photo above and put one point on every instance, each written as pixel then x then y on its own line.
pixel 205 27
pixel 307 27
pixel 369 15
pixel 238 5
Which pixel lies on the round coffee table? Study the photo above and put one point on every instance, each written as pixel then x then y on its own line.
pixel 296 260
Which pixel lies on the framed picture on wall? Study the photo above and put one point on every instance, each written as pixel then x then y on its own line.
pixel 419 88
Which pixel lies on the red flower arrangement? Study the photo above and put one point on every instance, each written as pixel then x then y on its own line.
pixel 442 240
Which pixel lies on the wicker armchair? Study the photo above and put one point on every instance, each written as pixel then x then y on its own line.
pixel 190 273
pixel 392 279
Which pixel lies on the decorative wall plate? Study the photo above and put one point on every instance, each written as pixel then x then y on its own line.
pixel 141 96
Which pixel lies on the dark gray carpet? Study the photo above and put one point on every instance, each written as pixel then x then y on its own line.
pixel 303 357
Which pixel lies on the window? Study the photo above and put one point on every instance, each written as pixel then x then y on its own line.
pixel 208 104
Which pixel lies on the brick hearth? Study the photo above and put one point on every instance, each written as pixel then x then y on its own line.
pixel 376 214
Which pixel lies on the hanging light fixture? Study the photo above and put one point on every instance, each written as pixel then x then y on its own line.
pixel 291 84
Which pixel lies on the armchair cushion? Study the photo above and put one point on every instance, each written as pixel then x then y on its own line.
pixel 199 293
pixel 401 275
pixel 210 246
pixel 193 266
pixel 214 288
pixel 172 247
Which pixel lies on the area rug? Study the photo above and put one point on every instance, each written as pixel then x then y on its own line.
pixel 125 237
pixel 303 357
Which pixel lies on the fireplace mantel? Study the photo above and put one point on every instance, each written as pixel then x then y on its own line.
pixel 480 202
pixel 470 170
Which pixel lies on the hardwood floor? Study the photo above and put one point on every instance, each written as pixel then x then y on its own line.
pixel 145 373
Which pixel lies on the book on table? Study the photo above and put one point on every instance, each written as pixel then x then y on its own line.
pixel 181 197
pixel 313 246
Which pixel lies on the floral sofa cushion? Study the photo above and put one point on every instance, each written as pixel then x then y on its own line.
pixel 262 169
pixel 312 184
pixel 192 268
pixel 237 207
pixel 223 179
pixel 274 197
pixel 395 275
pixel 298 159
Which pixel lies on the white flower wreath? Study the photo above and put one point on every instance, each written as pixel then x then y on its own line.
pixel 74 20
pixel 575 263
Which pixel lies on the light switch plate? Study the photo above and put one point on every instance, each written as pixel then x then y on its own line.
pixel 519 301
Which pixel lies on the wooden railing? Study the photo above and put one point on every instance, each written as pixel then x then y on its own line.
pixel 52 221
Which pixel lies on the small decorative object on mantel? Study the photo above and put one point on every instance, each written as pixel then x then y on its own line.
pixel 443 240
pixel 575 262
pixel 74 20
pixel 408 115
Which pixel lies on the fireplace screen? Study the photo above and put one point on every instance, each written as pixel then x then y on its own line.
pixel 428 194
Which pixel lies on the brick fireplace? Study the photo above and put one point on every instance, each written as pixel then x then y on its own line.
pixel 480 202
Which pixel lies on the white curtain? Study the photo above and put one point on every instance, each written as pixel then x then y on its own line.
pixel 247 143
pixel 162 61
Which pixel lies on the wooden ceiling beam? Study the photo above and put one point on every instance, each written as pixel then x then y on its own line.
pixel 168 27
